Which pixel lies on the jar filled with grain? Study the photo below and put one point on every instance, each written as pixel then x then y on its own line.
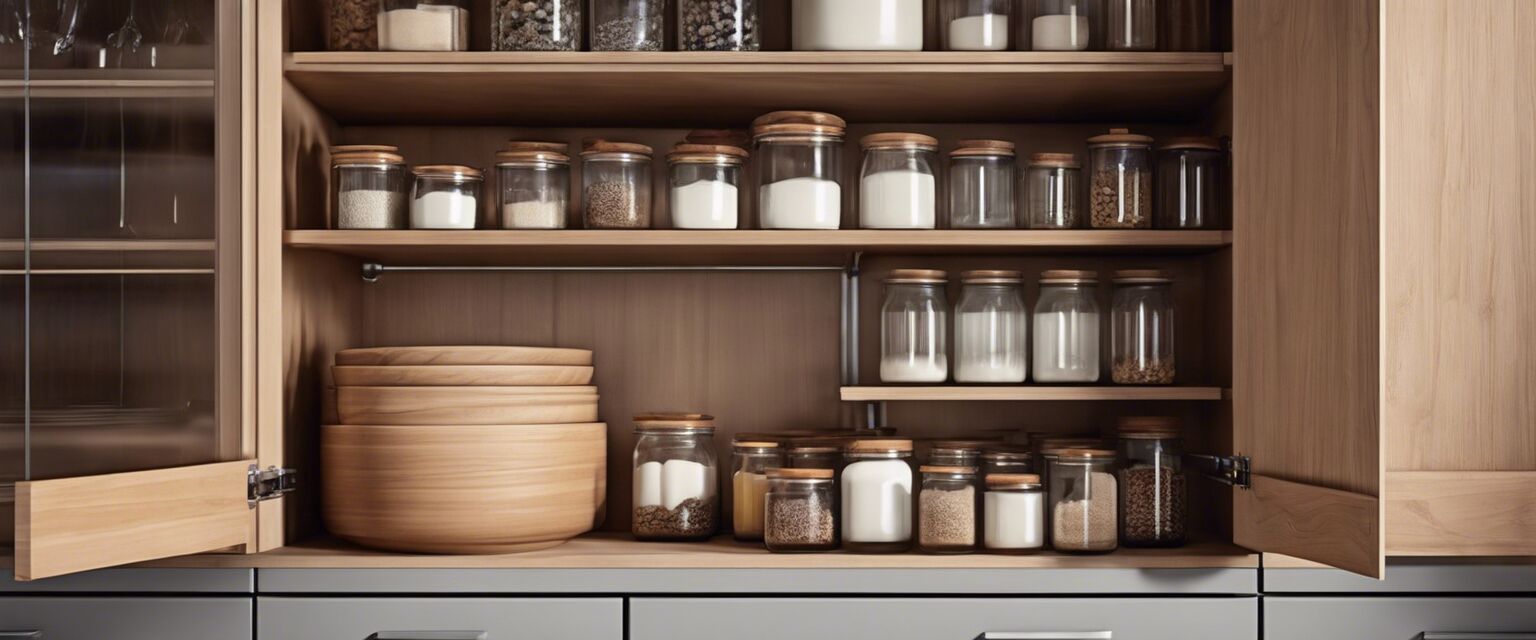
pixel 1120 180
pixel 674 484
pixel 750 462
pixel 981 179
pixel 877 484
pixel 1053 191
pixel 1152 492
pixel 535 186
pixel 1141 328
pixel 1013 513
pixel 947 510
pixel 801 512
pixel 1084 501
pixel 370 189
pixel 717 25
pixel 1189 177
pixel 914 326
pixel 799 169
pixel 628 25
pixel 352 25
pixel 616 185
pixel 446 196
pixel 536 25
pixel 897 185
pixel 424 25
pixel 705 181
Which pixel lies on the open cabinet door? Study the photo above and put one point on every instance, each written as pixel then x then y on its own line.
pixel 1306 272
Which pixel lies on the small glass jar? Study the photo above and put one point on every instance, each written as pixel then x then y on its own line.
pixel 801 513
pixel 1184 25
pixel 1151 478
pixel 1067 327
pixel 946 519
pixel 975 25
pixel 1131 25
pixel 675 496
pixel 352 25
pixel 1084 501
pixel 897 187
pixel 750 462
pixel 1141 328
pixel 857 25
pixel 877 496
pixel 705 180
pixel 628 25
pixel 446 196
pixel 1053 191
pixel 535 188
pixel 991 327
pixel 914 323
pixel 799 170
pixel 1120 180
pixel 1189 174
pixel 1061 25
pixel 1005 460
pixel 369 190
pixel 536 25
pixel 1013 513
pixel 981 179
pixel 717 25
pixel 616 185
pixel 424 25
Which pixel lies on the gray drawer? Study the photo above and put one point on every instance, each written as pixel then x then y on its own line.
pixel 1399 618
pixel 941 618
pixel 1411 575
pixel 138 581
pixel 499 618
pixel 126 618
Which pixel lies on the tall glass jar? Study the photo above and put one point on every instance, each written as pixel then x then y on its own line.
pixel 1053 191
pixel 369 190
pixel 1120 182
pixel 913 327
pixel 1013 513
pixel 897 187
pixel 1061 25
pixel 1131 25
pixel 1006 459
pixel 981 185
pixel 675 496
pixel 446 196
pixel 1184 25
pixel 424 25
pixel 1189 174
pixel 535 189
pixel 705 183
pixel 946 519
pixel 1084 501
pixel 536 25
pixel 975 25
pixel 991 327
pixel 717 25
pixel 616 185
pixel 1141 328
pixel 799 170
pixel 1067 327
pixel 750 462
pixel 877 496
pixel 801 514
pixel 1152 491
pixel 352 25
pixel 628 25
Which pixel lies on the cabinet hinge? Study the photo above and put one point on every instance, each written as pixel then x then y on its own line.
pixel 1228 470
pixel 269 483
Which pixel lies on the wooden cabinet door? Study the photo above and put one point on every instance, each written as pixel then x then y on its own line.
pixel 1307 280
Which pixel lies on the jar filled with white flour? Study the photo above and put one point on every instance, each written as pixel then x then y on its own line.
pixel 535 186
pixel 447 196
pixel 897 187
pixel 424 25
pixel 914 324
pixel 975 25
pixel 705 185
pixel 799 170
pixel 675 494
pixel 990 328
pixel 877 496
pixel 369 189
pixel 1067 327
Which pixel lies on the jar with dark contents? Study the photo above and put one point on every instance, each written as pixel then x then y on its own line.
pixel 616 185
pixel 628 25
pixel 1120 180
pixel 801 512
pixel 1152 491
pixel 717 25
pixel 536 25
pixel 352 25
pixel 675 477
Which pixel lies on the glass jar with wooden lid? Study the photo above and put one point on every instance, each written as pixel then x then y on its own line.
pixel 799 158
pixel 1053 191
pixel 1013 513
pixel 616 185
pixel 535 188
pixel 1189 178
pixel 946 520
pixel 991 328
pixel 801 513
pixel 897 185
pixel 914 325
pixel 1067 327
pixel 981 179
pixel 446 196
pixel 877 484
pixel 1084 501
pixel 1120 180
pixel 705 181
pixel 424 25
pixel 1152 487
pixel 1141 328
pixel 675 496
pixel 369 190
pixel 750 462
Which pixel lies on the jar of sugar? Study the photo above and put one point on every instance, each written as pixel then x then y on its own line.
pixel 675 496
pixel 705 181
pixel 446 196
pixel 975 25
pixel 877 496
pixel 1059 25
pixel 1013 513
pixel 370 188
pixel 914 322
pixel 799 170
pixel 897 187
pixel 857 25
pixel 535 185
pixel 424 25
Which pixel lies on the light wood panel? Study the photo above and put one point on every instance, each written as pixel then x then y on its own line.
pixel 1337 528
pixel 457 376
pixel 958 393
pixel 1461 513
pixel 466 405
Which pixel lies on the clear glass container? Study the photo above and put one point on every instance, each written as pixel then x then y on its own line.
pixel 975 25
pixel 1189 176
pixel 1131 25
pixel 628 25
pixel 897 185
pixel 981 179
pixel 675 476
pixel 1005 460
pixel 877 484
pixel 717 25
pixel 814 456
pixel 1141 328
pixel 750 462
pixel 799 170
pixel 369 190
pixel 352 25
pixel 857 25
pixel 1084 501
pixel 705 186
pixel 536 25
pixel 801 513
pixel 1061 25
pixel 914 323
pixel 1053 192
pixel 535 189
pixel 956 453
pixel 1013 513
pixel 1067 327
pixel 1120 180
pixel 446 196
pixel 1184 25
pixel 1152 491
pixel 991 328
pixel 424 25
pixel 946 519
pixel 616 185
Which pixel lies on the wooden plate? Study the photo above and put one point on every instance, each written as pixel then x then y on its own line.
pixel 485 375
pixel 465 405
pixel 459 356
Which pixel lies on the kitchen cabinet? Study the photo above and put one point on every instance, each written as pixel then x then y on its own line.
pixel 127 618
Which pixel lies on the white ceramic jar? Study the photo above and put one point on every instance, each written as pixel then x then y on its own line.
pixel 877 496
pixel 858 25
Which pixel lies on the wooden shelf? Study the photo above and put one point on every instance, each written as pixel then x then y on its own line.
pixel 86 88
pixel 106 245
pixel 728 89
pixel 1028 393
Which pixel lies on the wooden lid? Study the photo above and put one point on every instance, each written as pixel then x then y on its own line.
pixel 916 276
pixel 464 356
pixel 983 148
pixel 1148 427
pixel 800 474
pixel 674 422
pixel 1120 138
pixel 1012 479
pixel 1066 160
pixel 364 148
pixel 366 157
pixel 755 444
pixel 707 154
pixel 1068 276
pixel 1086 454
pixel 726 137
pixel 898 140
pixel 1191 142
pixel 928 468
pixel 1149 276
pixel 446 171
pixel 992 276
pixel 533 145
pixel 799 117
pixel 599 146
pixel 878 445
pixel 531 156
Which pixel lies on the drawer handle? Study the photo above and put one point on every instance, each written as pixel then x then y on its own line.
pixel 1047 635
pixel 1433 635
pixel 21 635
pixel 427 635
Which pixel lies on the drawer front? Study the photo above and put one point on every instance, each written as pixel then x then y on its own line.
pixel 416 618
pixel 1319 618
pixel 943 618
pixel 1408 575
pixel 119 618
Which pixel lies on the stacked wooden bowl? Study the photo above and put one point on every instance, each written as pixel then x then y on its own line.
pixel 463 449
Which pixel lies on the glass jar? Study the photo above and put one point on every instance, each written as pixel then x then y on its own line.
pixel 1189 174
pixel 674 477
pixel 1151 477
pixel 536 25
pixel 877 496
pixel 1061 25
pixel 705 181
pixel 857 25
pixel 1084 501
pixel 750 462
pixel 799 170
pixel 801 511
pixel 628 25
pixel 1120 182
pixel 369 190
pixel 1053 191
pixel 1006 460
pixel 946 518
pixel 352 25
pixel 1131 25
pixel 1184 25
pixel 975 25
pixel 814 456
pixel 1067 327
pixel 717 25
pixel 897 188
pixel 1141 328
pixel 446 196
pixel 991 326
pixel 913 326
pixel 981 185
pixel 535 189
pixel 1013 513
pixel 424 25
pixel 956 453
pixel 616 185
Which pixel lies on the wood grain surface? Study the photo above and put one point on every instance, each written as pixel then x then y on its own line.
pixel 457 376
pixel 465 405
pixel 464 355
pixel 1461 513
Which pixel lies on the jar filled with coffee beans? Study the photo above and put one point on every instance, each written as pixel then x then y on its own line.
pixel 717 25
pixel 1120 180
pixel 1152 500
pixel 536 25
pixel 352 25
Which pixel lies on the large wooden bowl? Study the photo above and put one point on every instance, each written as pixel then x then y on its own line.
pixel 465 405
pixel 462 489
pixel 484 375
pixel 455 355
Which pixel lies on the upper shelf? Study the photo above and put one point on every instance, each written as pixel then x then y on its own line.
pixel 688 89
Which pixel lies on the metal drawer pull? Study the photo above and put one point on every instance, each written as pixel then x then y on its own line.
pixel 1047 635
pixel 1491 635
pixel 427 635
pixel 21 635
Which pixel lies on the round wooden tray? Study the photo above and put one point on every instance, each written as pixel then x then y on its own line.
pixel 466 405
pixel 457 356
pixel 486 375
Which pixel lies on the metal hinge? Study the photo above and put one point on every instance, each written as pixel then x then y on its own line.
pixel 268 484
pixel 1228 470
